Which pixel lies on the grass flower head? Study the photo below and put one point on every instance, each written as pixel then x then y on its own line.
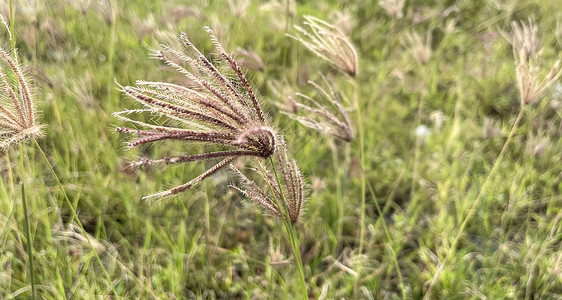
pixel 527 53
pixel 419 47
pixel 215 110
pixel 327 116
pixel 283 200
pixel 330 43
pixel 18 117
pixel 393 8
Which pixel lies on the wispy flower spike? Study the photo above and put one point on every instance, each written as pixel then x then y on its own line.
pixel 216 110
pixel 524 38
pixel 328 42
pixel 527 53
pixel 419 48
pixel 393 8
pixel 17 110
pixel 272 197
pixel 319 115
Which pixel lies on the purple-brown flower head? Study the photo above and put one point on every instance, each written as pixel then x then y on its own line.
pixel 215 109
pixel 281 195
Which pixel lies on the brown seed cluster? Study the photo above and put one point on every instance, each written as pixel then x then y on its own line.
pixel 327 116
pixel 215 110
pixel 18 118
pixel 285 199
pixel 328 42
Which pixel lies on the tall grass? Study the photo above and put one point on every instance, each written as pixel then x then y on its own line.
pixel 469 208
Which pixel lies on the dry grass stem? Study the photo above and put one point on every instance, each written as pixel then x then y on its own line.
pixel 527 53
pixel 18 118
pixel 215 110
pixel 328 42
pixel 327 116
pixel 272 198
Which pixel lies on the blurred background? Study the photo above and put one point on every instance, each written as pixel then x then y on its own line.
pixel 438 94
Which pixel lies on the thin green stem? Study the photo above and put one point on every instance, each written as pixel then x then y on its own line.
pixel 13 36
pixel 75 217
pixel 110 57
pixel 293 235
pixel 474 208
pixel 413 198
pixel 389 241
pixel 487 182
pixel 27 230
pixel 29 248
pixel 363 171
pixel 338 170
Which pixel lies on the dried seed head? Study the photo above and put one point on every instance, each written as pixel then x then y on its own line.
pixel 216 110
pixel 393 8
pixel 328 42
pixel 418 47
pixel 282 91
pixel 327 116
pixel 285 8
pixel 108 10
pixel 537 145
pixel 81 5
pixel 174 13
pixel 143 27
pixel 491 128
pixel 239 7
pixel 73 239
pixel 524 37
pixel 438 118
pixel 527 54
pixel 276 256
pixel 344 20
pixel 286 200
pixel 250 60
pixel 18 118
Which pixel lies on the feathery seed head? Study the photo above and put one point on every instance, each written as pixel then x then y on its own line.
pixel 215 110
pixel 393 8
pixel 248 59
pixel 282 90
pixel 527 53
pixel 239 7
pixel 418 47
pixel 328 42
pixel 286 201
pixel 276 8
pixel 524 38
pixel 18 118
pixel 321 116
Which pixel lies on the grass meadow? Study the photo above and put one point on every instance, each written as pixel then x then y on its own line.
pixel 449 187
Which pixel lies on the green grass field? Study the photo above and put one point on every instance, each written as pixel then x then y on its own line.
pixel 441 215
